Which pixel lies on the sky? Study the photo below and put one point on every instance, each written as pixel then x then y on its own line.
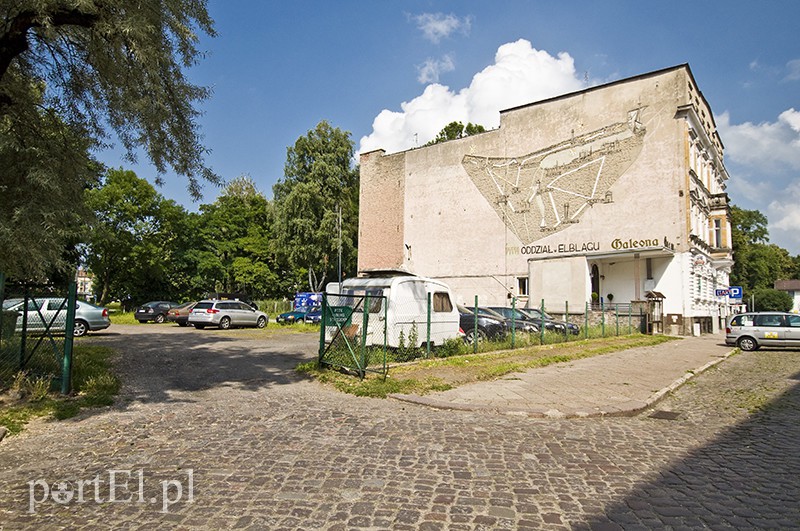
pixel 394 73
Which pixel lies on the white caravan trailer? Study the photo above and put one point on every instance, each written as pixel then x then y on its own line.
pixel 405 313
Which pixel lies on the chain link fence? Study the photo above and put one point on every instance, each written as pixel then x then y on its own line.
pixel 36 333
pixel 365 332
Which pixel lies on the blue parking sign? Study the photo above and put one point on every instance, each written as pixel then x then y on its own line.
pixel 735 292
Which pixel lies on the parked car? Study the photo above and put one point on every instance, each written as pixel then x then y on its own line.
pixel 180 314
pixel 154 311
pixel 297 315
pixel 52 312
pixel 751 331
pixel 489 327
pixel 517 325
pixel 551 323
pixel 517 315
pixel 226 314
pixel 314 316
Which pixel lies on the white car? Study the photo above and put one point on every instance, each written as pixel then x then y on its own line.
pixel 226 314
pixel 51 314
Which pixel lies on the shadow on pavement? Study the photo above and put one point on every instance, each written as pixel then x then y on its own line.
pixel 747 477
pixel 154 362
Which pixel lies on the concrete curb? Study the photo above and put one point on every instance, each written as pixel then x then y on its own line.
pixel 625 409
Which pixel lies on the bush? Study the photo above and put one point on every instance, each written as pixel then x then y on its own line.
pixel 772 300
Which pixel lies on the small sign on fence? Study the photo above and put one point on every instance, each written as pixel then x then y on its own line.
pixel 340 315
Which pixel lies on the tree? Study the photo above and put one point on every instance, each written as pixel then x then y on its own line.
pixel 134 240
pixel 319 184
pixel 758 263
pixel 69 71
pixel 456 130
pixel 46 167
pixel 236 253
pixel 772 300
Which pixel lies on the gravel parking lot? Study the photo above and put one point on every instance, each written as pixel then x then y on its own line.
pixel 216 430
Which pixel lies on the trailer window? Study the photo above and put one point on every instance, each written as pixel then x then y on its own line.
pixel 441 302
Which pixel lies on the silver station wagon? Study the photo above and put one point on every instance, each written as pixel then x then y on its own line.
pixel 751 331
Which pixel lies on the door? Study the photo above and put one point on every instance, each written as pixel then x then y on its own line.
pixel 769 329
pixel 792 331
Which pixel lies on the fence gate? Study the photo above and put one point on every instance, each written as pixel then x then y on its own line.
pixel 353 333
pixel 36 332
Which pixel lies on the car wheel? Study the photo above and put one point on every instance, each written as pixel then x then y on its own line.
pixel 141 321
pixel 80 329
pixel 262 322
pixel 199 326
pixel 225 323
pixel 183 324
pixel 159 318
pixel 470 336
pixel 747 344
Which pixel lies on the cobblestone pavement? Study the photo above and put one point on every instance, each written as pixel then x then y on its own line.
pixel 252 445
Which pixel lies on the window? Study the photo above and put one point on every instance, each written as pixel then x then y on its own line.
pixel 522 285
pixel 55 305
pixel 769 320
pixel 793 321
pixel 718 233
pixel 441 302
pixel 649 267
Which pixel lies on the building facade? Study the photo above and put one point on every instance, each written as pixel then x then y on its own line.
pixel 792 287
pixel 603 195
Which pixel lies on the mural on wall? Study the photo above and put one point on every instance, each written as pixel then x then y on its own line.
pixel 548 190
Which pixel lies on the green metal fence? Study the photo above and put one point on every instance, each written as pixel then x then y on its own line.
pixel 353 334
pixel 36 333
pixel 365 332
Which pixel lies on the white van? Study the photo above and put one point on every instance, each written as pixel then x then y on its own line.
pixel 405 314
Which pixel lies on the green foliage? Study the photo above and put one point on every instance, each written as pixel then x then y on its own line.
pixel 758 264
pixel 456 130
pixel 116 63
pixel 235 251
pixel 93 382
pixel 768 299
pixel 137 240
pixel 45 168
pixel 319 182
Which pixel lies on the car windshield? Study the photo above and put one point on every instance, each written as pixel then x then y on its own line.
pixel 204 305
pixel 490 313
pixel 10 302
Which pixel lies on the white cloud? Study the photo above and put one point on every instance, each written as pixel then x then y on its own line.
pixel 770 145
pixel 784 218
pixel 437 26
pixel 520 74
pixel 430 70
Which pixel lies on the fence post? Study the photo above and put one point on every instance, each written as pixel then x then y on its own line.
pixel 385 334
pixel 69 338
pixel 475 328
pixel 616 315
pixel 566 320
pixel 586 321
pixel 513 320
pixel 428 338
pixel 541 327
pixel 603 318
pixel 629 320
pixel 322 330
pixel 364 325
pixel 23 340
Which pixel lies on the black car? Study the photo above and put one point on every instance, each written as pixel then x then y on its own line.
pixel 489 327
pixel 154 311
pixel 518 315
pixel 551 323
pixel 518 324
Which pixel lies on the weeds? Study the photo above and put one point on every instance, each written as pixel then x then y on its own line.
pixel 31 397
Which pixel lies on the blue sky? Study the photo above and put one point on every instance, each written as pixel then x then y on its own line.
pixel 394 73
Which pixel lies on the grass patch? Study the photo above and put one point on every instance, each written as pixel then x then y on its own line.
pixel 439 374
pixel 30 396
